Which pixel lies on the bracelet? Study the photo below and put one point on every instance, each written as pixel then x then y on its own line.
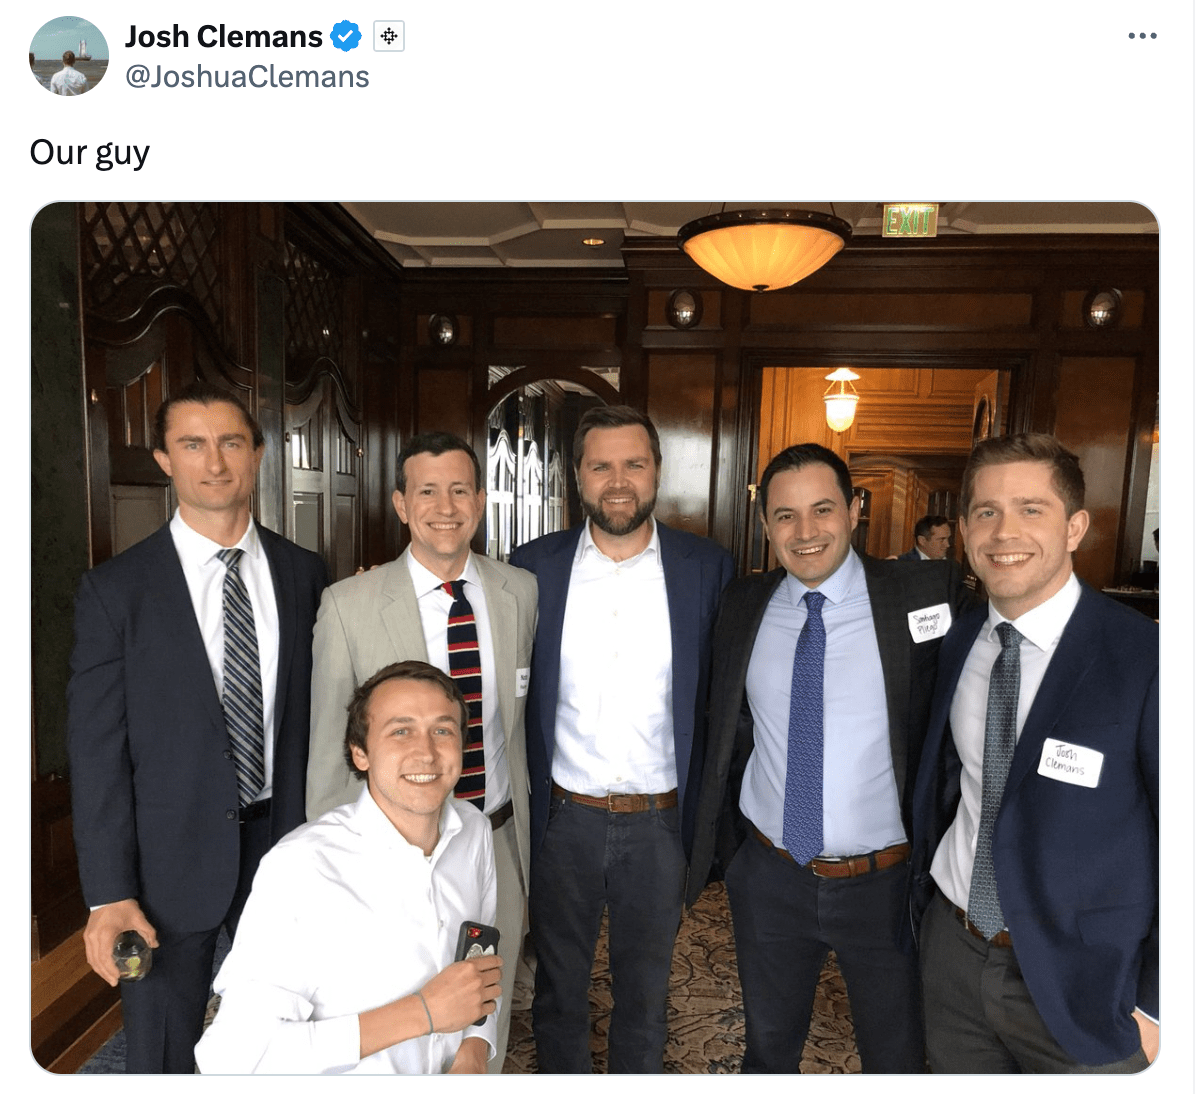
pixel 420 996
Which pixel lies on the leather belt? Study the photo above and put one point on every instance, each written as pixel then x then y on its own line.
pixel 621 803
pixel 1002 939
pixel 501 816
pixel 855 866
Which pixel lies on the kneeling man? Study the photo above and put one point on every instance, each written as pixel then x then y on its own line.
pixel 344 957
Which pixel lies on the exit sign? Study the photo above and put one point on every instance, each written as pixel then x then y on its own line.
pixel 910 219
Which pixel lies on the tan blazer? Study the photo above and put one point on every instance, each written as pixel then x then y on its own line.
pixel 372 620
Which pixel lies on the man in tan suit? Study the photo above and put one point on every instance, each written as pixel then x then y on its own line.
pixel 401 611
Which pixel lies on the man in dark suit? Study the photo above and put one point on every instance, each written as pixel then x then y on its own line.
pixel 821 679
pixel 1035 861
pixel 933 539
pixel 614 721
pixel 187 725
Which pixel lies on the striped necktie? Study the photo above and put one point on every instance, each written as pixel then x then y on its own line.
pixel 803 803
pixel 241 696
pixel 465 666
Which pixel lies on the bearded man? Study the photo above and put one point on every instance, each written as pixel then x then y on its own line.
pixel 615 716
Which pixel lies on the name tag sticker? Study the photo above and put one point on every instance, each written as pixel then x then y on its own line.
pixel 1070 763
pixel 929 623
pixel 521 683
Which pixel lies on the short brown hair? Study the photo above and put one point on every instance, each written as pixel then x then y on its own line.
pixel 613 417
pixel 1067 477
pixel 359 706
pixel 204 393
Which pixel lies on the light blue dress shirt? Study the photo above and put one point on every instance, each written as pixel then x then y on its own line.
pixel 861 804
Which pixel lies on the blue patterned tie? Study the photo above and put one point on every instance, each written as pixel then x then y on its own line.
pixel 465 666
pixel 242 695
pixel 1002 708
pixel 803 807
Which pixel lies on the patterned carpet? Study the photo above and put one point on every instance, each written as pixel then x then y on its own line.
pixel 706 1018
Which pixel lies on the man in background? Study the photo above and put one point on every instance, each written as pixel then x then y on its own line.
pixel 68 80
pixel 933 539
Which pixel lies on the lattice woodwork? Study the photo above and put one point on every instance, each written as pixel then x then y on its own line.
pixel 178 242
pixel 313 309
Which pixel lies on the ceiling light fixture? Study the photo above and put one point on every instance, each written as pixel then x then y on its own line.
pixel 840 400
pixel 592 241
pixel 763 249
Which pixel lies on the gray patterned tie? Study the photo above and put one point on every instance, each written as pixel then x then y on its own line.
pixel 242 696
pixel 1002 708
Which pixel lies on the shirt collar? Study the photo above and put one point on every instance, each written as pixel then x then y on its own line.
pixel 1043 625
pixel 837 586
pixel 197 551
pixel 587 545
pixel 373 823
pixel 425 581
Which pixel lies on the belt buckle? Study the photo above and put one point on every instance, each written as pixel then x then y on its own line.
pixel 626 805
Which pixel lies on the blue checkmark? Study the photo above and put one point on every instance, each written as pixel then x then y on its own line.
pixel 346 35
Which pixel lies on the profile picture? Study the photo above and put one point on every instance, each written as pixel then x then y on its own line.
pixel 68 56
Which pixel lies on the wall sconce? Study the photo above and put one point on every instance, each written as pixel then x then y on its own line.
pixel 442 330
pixel 1101 308
pixel 684 309
pixel 840 400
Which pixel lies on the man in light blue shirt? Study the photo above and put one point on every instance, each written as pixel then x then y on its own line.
pixel 822 674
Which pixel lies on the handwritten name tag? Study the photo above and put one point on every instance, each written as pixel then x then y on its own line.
pixel 1070 763
pixel 521 683
pixel 929 623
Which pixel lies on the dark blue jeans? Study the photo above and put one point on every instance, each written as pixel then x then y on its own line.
pixel 785 920
pixel 632 864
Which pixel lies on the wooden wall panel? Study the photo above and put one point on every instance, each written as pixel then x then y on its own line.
pixel 443 401
pixel 1094 421
pixel 680 388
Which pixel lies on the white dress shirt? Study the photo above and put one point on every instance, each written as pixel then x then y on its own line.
pixel 952 866
pixel 434 604
pixel 205 575
pixel 615 722
pixel 346 916
pixel 860 795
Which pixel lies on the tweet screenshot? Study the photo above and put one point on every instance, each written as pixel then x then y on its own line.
pixel 505 479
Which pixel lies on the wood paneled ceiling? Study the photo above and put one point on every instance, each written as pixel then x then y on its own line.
pixel 550 234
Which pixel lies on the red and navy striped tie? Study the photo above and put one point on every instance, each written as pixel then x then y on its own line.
pixel 465 666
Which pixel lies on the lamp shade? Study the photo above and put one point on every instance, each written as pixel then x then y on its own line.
pixel 840 400
pixel 763 249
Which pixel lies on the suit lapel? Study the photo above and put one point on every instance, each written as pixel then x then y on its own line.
pixel 1068 667
pixel 282 576
pixel 503 612
pixel 401 614
pixel 553 587
pixel 172 601
pixel 889 611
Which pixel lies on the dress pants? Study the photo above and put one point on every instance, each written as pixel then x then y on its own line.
pixel 980 1015
pixel 633 864
pixel 785 920
pixel 164 1013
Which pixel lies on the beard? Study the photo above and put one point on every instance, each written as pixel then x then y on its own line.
pixel 621 525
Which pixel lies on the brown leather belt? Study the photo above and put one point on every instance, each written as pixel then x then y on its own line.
pixel 842 867
pixel 501 816
pixel 621 803
pixel 1002 939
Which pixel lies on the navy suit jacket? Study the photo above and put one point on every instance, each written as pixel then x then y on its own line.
pixel 911 555
pixel 908 670
pixel 153 783
pixel 696 571
pixel 1076 867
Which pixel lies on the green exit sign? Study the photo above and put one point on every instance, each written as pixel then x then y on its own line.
pixel 910 219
